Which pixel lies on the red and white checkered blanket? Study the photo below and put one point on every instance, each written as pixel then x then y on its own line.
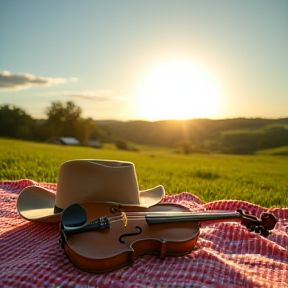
pixel 226 254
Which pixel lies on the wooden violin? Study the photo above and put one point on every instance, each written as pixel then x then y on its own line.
pixel 101 237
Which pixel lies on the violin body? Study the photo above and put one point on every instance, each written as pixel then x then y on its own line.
pixel 100 237
pixel 109 249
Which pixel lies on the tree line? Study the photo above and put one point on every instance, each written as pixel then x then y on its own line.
pixel 63 120
pixel 233 136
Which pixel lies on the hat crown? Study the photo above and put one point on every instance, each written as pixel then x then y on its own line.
pixel 81 181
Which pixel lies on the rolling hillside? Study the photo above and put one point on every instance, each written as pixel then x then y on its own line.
pixel 238 136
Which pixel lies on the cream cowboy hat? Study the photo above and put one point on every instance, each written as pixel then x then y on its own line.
pixel 83 181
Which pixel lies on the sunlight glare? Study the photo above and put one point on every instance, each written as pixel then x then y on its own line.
pixel 177 90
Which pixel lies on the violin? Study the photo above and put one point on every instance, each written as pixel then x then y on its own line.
pixel 100 238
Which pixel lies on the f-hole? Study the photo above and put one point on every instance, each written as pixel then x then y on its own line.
pixel 130 234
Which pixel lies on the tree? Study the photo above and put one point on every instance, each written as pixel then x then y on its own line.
pixel 185 146
pixel 63 119
pixel 87 129
pixel 66 121
pixel 121 144
pixel 15 123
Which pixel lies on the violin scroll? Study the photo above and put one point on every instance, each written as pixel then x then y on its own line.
pixel 260 226
pixel 269 221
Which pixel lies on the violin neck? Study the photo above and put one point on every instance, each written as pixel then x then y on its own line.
pixel 194 217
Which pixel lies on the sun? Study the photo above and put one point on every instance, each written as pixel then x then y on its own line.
pixel 177 90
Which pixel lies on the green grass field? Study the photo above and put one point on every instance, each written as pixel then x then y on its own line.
pixel 260 179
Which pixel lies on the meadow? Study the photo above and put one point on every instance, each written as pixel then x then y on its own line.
pixel 261 179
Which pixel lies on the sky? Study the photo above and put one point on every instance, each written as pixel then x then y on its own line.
pixel 146 60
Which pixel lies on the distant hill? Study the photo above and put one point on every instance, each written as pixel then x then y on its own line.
pixel 239 135
pixel 279 151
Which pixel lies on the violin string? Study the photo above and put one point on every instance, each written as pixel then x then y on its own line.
pixel 132 216
pixel 120 218
pixel 142 215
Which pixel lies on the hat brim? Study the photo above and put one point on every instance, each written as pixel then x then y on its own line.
pixel 37 204
pixel 150 197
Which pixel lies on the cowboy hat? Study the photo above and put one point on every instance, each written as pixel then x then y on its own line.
pixel 83 181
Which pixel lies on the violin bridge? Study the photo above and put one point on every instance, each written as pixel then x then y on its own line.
pixel 125 219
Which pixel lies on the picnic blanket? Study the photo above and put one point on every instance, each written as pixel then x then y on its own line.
pixel 226 254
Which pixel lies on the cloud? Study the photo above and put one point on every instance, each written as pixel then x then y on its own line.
pixel 14 82
pixel 98 95
pixel 101 95
pixel 73 79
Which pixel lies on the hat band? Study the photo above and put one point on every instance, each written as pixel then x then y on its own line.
pixel 57 210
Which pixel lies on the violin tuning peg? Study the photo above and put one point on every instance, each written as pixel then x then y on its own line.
pixel 259 230
pixel 262 231
pixel 252 228
pixel 240 211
